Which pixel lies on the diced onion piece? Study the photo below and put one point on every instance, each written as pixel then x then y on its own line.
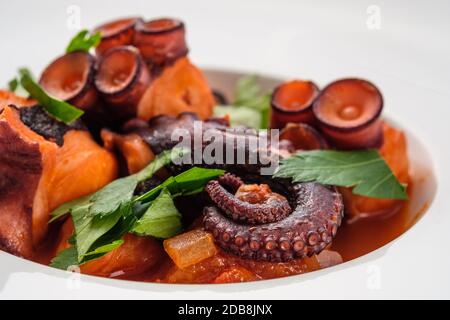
pixel 190 247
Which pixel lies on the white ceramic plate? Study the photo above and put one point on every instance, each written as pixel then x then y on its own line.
pixel 407 58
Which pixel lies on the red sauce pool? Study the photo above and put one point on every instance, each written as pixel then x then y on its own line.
pixel 354 238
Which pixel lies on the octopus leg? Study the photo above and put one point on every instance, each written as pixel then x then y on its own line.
pixel 253 213
pixel 306 231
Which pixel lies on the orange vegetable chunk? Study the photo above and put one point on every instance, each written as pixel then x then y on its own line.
pixel 190 247
pixel 135 256
pixel 7 98
pixel 181 87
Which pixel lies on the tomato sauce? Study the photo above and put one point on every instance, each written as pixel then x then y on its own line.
pixel 356 236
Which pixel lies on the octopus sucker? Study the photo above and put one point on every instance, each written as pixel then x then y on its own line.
pixel 305 231
pixel 230 180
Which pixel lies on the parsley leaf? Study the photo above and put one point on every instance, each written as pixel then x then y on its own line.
pixel 69 257
pixel 65 259
pixel 186 183
pixel 105 248
pixel 249 94
pixel 68 206
pixel 247 89
pixel 102 218
pixel 88 229
pixel 250 108
pixel 120 191
pixel 107 200
pixel 161 220
pixel 13 85
pixel 240 116
pixel 83 41
pixel 193 180
pixel 365 170
pixel 59 109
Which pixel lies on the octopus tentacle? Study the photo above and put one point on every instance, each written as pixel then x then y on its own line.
pixel 158 135
pixel 273 209
pixel 250 220
pixel 306 231
pixel 231 181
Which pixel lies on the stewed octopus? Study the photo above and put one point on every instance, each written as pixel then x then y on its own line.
pixel 240 224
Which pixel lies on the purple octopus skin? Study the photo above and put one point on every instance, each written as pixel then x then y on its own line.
pixel 253 213
pixel 313 223
pixel 158 135
pixel 302 225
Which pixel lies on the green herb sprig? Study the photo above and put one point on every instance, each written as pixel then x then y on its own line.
pixel 15 86
pixel 249 93
pixel 101 219
pixel 161 219
pixel 250 107
pixel 84 41
pixel 59 109
pixel 365 171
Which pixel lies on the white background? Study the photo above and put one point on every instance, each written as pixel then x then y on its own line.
pixel 408 58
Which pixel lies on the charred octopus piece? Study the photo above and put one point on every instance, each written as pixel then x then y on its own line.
pixel 122 79
pixel 253 204
pixel 348 112
pixel 71 78
pixel 161 41
pixel 38 120
pixel 250 220
pixel 292 102
pixel 303 137
pixel 161 133
pixel 115 33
